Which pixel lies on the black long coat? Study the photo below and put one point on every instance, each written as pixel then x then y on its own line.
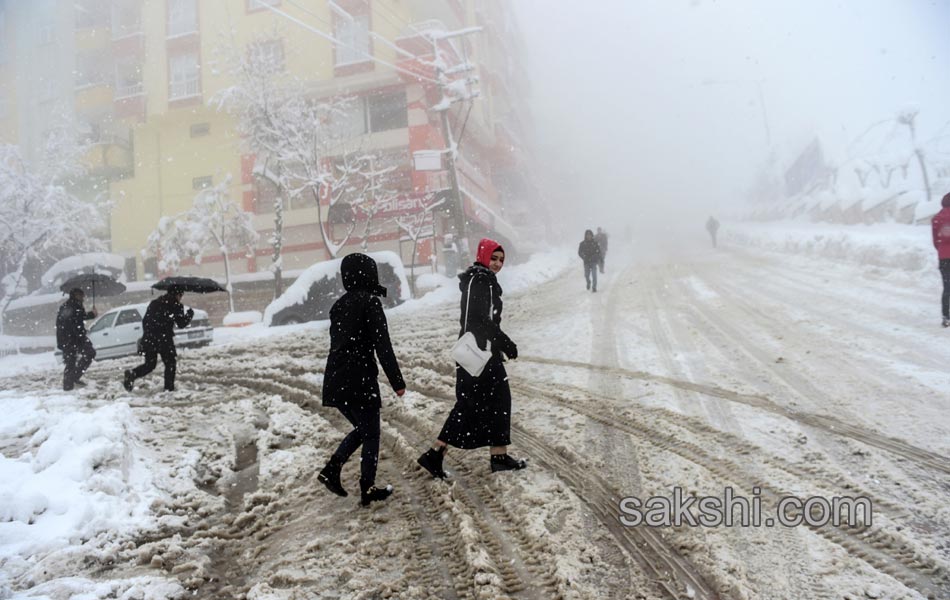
pixel 358 329
pixel 158 326
pixel 70 330
pixel 482 412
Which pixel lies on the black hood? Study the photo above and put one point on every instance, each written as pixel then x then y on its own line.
pixel 360 273
pixel 478 269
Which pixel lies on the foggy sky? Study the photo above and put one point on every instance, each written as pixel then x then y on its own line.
pixel 651 107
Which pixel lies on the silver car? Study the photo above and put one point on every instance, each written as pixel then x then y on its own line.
pixel 117 332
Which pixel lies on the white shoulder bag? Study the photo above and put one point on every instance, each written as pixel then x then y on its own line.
pixel 466 351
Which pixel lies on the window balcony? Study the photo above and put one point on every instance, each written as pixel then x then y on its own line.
pixel 179 90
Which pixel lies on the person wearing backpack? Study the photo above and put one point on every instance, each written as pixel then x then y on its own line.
pixel 358 329
pixel 482 412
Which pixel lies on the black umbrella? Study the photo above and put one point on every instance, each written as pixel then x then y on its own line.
pixel 95 284
pixel 196 285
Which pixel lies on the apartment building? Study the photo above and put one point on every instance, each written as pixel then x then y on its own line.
pixel 142 75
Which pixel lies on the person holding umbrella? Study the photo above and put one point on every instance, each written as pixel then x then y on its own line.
pixel 158 336
pixel 71 338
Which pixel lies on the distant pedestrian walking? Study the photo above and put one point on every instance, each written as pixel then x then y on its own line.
pixel 601 238
pixel 158 337
pixel 589 251
pixel 358 328
pixel 712 226
pixel 482 412
pixel 941 237
pixel 71 338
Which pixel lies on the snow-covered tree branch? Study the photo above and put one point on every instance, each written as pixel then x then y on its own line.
pixel 40 217
pixel 213 224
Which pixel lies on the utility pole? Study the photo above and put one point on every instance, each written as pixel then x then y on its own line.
pixel 458 205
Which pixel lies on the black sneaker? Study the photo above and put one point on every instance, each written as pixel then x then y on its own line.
pixel 330 477
pixel 431 461
pixel 503 462
pixel 127 381
pixel 946 323
pixel 374 494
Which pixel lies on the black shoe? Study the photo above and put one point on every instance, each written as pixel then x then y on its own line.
pixel 80 384
pixel 330 477
pixel 374 494
pixel 127 381
pixel 594 290
pixel 431 461
pixel 946 322
pixel 67 387
pixel 503 462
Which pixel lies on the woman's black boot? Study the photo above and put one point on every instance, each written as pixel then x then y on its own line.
pixel 373 494
pixel 431 461
pixel 503 462
pixel 330 477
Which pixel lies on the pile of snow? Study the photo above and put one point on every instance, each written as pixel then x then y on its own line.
pixel 74 478
pixel 889 245
pixel 330 269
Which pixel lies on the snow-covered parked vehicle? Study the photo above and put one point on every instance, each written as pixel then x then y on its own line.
pixel 117 332
pixel 318 287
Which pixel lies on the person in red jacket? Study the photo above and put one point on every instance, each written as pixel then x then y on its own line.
pixel 941 232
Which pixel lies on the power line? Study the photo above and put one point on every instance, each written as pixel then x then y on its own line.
pixel 334 40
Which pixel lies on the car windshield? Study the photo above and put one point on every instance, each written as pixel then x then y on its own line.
pixel 105 321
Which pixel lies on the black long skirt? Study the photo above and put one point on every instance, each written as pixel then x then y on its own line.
pixel 482 412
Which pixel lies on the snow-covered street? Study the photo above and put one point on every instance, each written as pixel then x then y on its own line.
pixel 689 369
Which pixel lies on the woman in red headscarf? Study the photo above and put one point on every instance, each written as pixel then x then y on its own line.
pixel 482 412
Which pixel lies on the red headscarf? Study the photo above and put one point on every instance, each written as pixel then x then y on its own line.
pixel 485 249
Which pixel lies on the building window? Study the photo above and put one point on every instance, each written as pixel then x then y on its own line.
pixel 92 67
pixel 200 129
pixel 91 14
pixel 45 35
pixel 182 17
pixel 387 111
pixel 353 33
pixel 126 18
pixel 46 90
pixel 266 56
pixel 184 81
pixel 128 80
pixel 202 183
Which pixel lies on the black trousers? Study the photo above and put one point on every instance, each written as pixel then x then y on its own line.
pixel 76 360
pixel 945 273
pixel 365 421
pixel 169 359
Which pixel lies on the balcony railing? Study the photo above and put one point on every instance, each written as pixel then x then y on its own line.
pixel 182 27
pixel 184 89
pixel 127 90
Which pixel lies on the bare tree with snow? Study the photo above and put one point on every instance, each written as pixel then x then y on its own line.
pixel 417 225
pixel 213 224
pixel 268 104
pixel 40 217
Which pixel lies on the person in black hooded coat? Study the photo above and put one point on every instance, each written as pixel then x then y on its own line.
pixel 71 338
pixel 482 412
pixel 358 328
